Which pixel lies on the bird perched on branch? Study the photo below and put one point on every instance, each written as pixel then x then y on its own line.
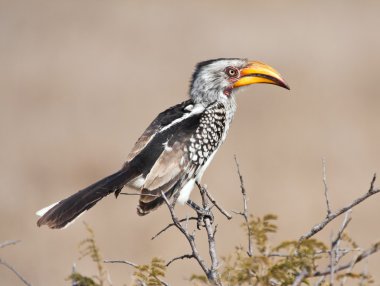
pixel 178 146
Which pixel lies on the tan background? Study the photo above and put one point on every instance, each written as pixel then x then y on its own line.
pixel 80 80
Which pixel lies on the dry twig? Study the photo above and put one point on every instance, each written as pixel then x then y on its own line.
pixel 9 242
pixel 10 267
pixel 374 248
pixel 188 256
pixel 300 278
pixel 214 202
pixel 190 237
pixel 172 224
pixel 325 187
pixel 244 213
pixel 318 227
pixel 121 261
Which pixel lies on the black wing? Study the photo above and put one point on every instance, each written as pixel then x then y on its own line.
pixel 164 119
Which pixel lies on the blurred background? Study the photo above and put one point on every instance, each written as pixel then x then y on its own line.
pixel 81 80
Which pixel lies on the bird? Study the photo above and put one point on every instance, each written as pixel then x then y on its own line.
pixel 173 153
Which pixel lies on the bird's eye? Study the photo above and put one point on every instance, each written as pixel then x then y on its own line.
pixel 231 71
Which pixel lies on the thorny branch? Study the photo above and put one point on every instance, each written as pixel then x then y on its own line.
pixel 318 227
pixel 244 213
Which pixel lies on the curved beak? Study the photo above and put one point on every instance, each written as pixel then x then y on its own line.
pixel 256 72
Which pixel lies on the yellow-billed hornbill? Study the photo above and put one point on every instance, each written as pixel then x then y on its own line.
pixel 178 146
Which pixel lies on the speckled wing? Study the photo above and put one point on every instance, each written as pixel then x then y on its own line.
pixel 186 152
pixel 173 167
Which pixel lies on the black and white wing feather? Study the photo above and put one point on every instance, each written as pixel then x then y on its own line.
pixel 187 146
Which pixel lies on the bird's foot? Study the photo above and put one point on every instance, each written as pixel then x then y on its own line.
pixel 207 214
pixel 202 214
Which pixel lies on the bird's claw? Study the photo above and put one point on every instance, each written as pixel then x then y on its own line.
pixel 204 214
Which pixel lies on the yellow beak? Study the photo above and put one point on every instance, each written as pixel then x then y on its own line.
pixel 256 72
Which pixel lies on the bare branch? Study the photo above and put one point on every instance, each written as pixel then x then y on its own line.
pixel 325 187
pixel 318 227
pixel 335 254
pixel 189 237
pixel 333 261
pixel 320 281
pixel 244 213
pixel 349 270
pixel 121 261
pixel 188 256
pixel 342 251
pixel 161 281
pixel 172 224
pixel 299 278
pixel 224 212
pixel 9 242
pixel 346 221
pixel 373 249
pixel 3 262
pixel 213 272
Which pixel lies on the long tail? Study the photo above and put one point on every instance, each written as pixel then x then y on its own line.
pixel 60 214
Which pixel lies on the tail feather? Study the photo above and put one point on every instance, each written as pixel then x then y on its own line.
pixel 60 214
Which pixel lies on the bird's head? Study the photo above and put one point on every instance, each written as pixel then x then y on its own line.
pixel 219 79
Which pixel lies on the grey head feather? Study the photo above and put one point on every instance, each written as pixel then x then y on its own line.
pixel 209 80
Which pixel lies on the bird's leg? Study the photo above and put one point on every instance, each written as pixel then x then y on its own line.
pixel 175 198
pixel 201 212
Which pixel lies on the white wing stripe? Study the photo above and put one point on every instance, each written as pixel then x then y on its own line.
pixel 199 108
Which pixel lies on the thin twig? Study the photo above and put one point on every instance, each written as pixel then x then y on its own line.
pixel 335 255
pixel 320 281
pixel 172 224
pixel 371 250
pixel 244 213
pixel 332 260
pixel 318 227
pixel 214 202
pixel 213 272
pixel 189 237
pixel 349 270
pixel 3 262
pixel 343 251
pixel 134 266
pixel 9 242
pixel 299 278
pixel 325 187
pixel 74 282
pixel 188 256
pixel 122 261
pixel 161 281
pixel 346 221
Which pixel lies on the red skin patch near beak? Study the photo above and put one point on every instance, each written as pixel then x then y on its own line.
pixel 227 91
